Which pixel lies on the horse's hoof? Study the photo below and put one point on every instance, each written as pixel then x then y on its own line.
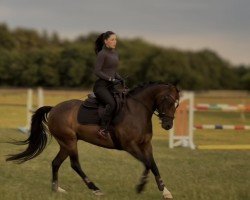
pixel 98 192
pixel 166 194
pixel 61 190
pixel 139 188
pixel 56 188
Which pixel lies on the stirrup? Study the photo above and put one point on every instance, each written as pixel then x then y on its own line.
pixel 103 133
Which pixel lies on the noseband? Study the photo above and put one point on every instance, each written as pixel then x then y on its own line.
pixel 163 115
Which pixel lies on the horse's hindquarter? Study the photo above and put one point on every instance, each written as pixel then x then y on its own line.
pixel 63 125
pixel 62 119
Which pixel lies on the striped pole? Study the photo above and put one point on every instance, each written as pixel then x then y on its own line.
pixel 225 147
pixel 222 107
pixel 221 127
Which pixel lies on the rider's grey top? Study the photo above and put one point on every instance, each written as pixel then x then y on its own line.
pixel 106 64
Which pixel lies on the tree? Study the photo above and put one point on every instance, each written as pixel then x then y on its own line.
pixel 6 39
pixel 30 58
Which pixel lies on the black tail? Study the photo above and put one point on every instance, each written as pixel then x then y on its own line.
pixel 37 139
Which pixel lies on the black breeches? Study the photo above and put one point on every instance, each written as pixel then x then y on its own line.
pixel 103 94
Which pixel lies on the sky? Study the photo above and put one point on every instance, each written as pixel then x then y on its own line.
pixel 219 25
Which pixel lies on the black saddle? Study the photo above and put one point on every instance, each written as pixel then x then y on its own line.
pixel 92 109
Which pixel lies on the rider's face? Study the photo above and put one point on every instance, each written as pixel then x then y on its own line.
pixel 111 41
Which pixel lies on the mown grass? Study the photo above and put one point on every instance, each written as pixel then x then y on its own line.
pixel 188 174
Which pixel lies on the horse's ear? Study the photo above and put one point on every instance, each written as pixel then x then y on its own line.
pixel 176 82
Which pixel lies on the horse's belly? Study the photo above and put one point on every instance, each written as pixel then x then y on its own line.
pixel 89 133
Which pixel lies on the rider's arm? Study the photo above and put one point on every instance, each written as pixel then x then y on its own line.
pixel 98 67
pixel 118 76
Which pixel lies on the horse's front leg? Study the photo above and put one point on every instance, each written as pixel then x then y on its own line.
pixel 135 151
pixel 162 187
pixel 150 162
pixel 145 155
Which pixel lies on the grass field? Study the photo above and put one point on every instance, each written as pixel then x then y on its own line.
pixel 196 175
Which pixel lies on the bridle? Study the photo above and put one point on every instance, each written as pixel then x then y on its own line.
pixel 157 112
pixel 162 115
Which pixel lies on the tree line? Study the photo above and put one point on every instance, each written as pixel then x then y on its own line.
pixel 29 58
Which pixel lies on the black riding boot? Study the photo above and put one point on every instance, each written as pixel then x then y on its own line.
pixel 105 120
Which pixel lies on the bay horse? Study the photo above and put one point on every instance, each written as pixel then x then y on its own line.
pixel 133 132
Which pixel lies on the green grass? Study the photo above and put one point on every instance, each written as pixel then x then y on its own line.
pixel 196 175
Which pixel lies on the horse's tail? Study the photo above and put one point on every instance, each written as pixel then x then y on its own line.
pixel 37 139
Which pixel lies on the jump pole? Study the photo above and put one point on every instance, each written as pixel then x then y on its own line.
pixel 30 109
pixel 40 96
pixel 182 132
pixel 224 147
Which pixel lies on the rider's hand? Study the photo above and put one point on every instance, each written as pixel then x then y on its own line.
pixel 116 81
pixel 122 81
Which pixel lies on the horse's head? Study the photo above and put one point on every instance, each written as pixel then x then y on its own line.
pixel 166 103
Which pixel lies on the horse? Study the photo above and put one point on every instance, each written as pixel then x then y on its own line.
pixel 133 132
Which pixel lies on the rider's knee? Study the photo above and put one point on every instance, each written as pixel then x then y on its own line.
pixel 110 107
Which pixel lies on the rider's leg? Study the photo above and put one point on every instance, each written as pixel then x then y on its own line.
pixel 105 96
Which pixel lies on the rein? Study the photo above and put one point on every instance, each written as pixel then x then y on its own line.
pixel 159 114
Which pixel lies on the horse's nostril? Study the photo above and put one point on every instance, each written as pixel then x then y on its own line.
pixel 169 126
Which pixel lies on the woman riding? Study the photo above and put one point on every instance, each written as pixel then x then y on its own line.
pixel 106 71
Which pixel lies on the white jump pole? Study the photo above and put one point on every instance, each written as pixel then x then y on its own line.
pixel 40 97
pixel 30 109
pixel 191 120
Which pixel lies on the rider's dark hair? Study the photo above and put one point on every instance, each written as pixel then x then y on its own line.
pixel 100 40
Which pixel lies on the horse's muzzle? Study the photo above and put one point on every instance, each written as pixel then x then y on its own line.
pixel 167 125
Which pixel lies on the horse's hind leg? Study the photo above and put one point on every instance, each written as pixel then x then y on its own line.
pixel 56 163
pixel 74 159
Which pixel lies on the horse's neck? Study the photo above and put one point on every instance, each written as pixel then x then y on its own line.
pixel 140 108
pixel 144 101
pixel 148 95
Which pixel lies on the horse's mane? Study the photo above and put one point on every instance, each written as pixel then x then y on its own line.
pixel 138 88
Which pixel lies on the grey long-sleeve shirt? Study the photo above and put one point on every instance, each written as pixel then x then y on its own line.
pixel 106 64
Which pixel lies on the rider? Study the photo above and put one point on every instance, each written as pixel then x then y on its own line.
pixel 106 70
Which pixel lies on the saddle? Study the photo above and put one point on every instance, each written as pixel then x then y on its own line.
pixel 92 109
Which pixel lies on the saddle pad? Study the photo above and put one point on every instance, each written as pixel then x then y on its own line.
pixel 91 115
pixel 88 116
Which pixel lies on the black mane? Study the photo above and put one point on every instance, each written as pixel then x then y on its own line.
pixel 142 86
